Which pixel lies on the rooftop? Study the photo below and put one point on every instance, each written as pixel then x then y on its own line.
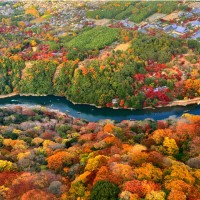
pixel 170 27
pixel 195 23
pixel 196 11
pixel 180 29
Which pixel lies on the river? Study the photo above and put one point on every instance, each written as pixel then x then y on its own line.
pixel 92 113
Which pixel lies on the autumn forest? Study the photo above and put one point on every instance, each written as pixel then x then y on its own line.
pixel 137 57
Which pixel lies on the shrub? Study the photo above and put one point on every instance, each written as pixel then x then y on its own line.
pixel 176 195
pixel 104 190
pixel 55 187
pixel 11 135
pixel 6 165
pixel 155 195
pixel 62 130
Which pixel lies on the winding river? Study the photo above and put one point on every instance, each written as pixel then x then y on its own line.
pixel 92 113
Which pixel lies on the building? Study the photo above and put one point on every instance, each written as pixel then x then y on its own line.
pixel 127 24
pixel 170 28
pixel 188 15
pixel 115 101
pixel 180 30
pixel 159 89
pixel 195 23
pixel 196 11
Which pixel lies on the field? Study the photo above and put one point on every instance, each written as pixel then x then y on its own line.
pixel 109 10
pixel 96 38
pixel 136 12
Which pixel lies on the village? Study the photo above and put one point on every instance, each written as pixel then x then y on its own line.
pixel 65 18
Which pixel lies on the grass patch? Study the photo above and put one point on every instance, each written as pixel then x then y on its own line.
pixel 96 38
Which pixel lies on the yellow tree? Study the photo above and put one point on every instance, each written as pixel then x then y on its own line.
pixel 32 11
pixel 149 172
pixel 179 171
pixel 170 146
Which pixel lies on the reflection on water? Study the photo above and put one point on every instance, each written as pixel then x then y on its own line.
pixel 92 113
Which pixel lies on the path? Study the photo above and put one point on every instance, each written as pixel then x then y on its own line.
pixel 8 95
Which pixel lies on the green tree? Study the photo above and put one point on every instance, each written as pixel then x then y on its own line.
pixel 104 190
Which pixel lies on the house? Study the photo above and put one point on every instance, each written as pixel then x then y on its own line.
pixel 197 35
pixel 170 28
pixel 127 24
pixel 180 30
pixel 114 101
pixel 188 15
pixel 144 29
pixel 195 23
pixel 196 11
pixel 159 89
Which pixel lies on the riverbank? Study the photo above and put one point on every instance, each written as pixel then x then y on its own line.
pixel 171 104
pixel 8 95
pixel 185 102
pixel 42 108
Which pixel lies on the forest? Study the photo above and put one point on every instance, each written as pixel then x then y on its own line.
pixel 49 155
pixel 147 74
pixel 109 54
pixel 10 74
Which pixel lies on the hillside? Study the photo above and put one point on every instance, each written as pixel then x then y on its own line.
pixel 153 71
pixel 107 53
pixel 49 155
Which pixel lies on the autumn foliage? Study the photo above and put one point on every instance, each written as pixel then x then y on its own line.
pixel 135 160
pixel 59 160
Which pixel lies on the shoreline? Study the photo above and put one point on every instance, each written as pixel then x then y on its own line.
pixel 8 95
pixel 187 102
pixel 41 108
pixel 171 104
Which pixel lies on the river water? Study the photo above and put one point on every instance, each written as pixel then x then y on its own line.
pixel 92 113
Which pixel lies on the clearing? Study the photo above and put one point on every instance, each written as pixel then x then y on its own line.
pixel 155 17
pixel 122 47
pixel 101 22
pixel 172 16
